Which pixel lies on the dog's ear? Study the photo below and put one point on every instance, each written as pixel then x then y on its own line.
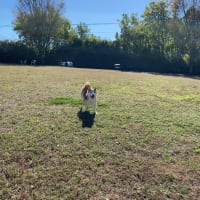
pixel 95 89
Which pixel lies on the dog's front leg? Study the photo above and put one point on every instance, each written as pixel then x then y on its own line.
pixel 95 107
pixel 85 108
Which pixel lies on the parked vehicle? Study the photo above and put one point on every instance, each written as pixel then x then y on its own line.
pixel 66 63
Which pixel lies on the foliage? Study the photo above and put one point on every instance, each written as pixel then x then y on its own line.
pixel 39 24
pixel 187 13
pixel 82 31
pixel 165 35
pixel 156 17
pixel 186 58
pixel 14 52
pixel 165 39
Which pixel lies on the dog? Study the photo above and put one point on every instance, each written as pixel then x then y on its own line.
pixel 89 96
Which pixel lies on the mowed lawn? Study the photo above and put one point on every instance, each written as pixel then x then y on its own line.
pixel 144 142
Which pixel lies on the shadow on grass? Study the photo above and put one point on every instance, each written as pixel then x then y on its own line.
pixel 87 118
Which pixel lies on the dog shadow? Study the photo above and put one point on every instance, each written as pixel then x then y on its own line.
pixel 87 118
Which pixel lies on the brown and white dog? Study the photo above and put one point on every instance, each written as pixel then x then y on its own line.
pixel 89 96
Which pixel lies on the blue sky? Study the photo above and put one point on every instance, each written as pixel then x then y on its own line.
pixel 88 11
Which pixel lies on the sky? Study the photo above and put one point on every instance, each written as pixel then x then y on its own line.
pixel 101 16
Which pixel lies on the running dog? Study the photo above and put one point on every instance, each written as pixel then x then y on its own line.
pixel 89 95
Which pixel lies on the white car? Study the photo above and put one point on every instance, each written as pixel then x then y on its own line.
pixel 66 63
pixel 69 64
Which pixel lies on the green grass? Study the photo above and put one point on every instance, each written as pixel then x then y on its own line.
pixel 197 149
pixel 72 102
pixel 143 143
pixel 65 100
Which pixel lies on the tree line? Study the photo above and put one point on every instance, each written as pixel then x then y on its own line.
pixel 165 39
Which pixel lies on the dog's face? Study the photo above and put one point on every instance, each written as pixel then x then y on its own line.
pixel 92 94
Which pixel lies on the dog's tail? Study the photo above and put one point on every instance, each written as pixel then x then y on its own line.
pixel 86 87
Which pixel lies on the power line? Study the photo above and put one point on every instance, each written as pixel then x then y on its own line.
pixel 5 26
pixel 99 24
pixel 88 24
pixel 93 31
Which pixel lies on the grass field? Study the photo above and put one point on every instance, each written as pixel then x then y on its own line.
pixel 144 143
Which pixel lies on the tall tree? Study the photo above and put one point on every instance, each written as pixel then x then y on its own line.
pixel 187 17
pixel 68 34
pixel 149 35
pixel 39 24
pixel 156 17
pixel 82 31
pixel 127 33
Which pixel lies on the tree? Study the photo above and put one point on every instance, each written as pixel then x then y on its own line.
pixel 82 31
pixel 127 25
pixel 39 24
pixel 68 34
pixel 156 17
pixel 14 52
pixel 186 15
